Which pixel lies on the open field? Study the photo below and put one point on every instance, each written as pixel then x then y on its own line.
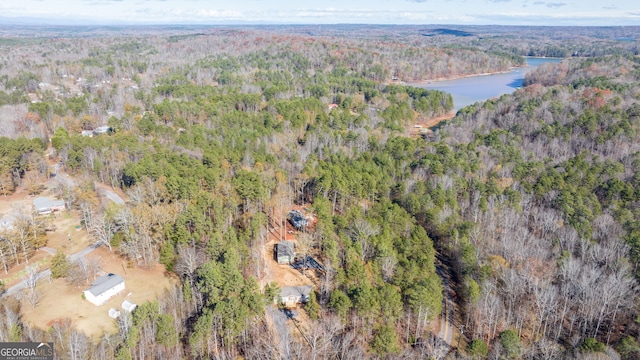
pixel 61 300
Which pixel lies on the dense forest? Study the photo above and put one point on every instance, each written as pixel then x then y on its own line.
pixel 528 203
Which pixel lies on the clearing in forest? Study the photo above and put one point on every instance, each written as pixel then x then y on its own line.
pixel 61 300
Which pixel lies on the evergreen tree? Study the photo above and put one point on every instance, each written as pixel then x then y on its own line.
pixel 312 307
pixel 59 265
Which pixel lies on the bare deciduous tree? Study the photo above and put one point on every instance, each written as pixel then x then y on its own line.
pixel 32 292
pixel 83 271
pixel 102 230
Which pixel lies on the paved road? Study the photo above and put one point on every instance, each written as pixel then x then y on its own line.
pixel 46 273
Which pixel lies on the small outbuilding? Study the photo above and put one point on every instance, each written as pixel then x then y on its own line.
pixel 283 252
pixel 290 296
pixel 114 313
pixel 45 205
pixel 128 306
pixel 104 288
pixel 6 223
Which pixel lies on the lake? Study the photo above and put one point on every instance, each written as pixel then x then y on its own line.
pixel 469 90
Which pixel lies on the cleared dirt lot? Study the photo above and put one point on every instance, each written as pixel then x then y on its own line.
pixel 61 300
pixel 283 275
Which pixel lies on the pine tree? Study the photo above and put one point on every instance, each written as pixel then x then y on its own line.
pixel 312 307
pixel 59 265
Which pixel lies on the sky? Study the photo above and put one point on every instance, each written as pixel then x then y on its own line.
pixel 464 12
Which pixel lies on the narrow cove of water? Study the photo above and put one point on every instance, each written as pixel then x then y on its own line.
pixel 469 90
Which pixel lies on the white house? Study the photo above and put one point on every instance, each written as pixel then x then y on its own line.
pixel 103 288
pixel 290 296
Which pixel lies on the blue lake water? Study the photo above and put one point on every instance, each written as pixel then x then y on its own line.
pixel 467 91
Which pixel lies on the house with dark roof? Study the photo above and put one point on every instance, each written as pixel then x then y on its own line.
pixel 283 252
pixel 104 288
pixel 45 205
pixel 297 219
pixel 290 296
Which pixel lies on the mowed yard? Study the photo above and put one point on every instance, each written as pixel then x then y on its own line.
pixel 60 300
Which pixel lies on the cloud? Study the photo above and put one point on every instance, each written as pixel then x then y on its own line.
pixel 551 4
pixel 101 2
pixel 417 1
pixel 564 19
pixel 500 1
pixel 225 14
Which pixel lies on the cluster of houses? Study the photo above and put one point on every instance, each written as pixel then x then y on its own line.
pixel 104 287
pixel 290 296
pixel 284 254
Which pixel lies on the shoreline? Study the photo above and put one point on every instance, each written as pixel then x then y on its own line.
pixel 432 81
pixel 436 80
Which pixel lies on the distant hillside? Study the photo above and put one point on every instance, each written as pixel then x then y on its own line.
pixel 444 31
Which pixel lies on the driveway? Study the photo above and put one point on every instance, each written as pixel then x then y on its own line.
pixel 15 289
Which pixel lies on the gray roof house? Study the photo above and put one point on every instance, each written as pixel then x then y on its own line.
pixel 103 288
pixel 290 296
pixel 283 252
pixel 101 130
pixel 297 219
pixel 45 205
